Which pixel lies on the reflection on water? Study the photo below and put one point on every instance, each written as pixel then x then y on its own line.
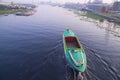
pixel 108 26
pixel 111 27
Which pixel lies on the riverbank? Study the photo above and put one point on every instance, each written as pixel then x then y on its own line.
pixel 87 14
pixel 2 11
pixel 101 22
pixel 93 16
pixel 9 8
pixel 7 11
pixel 97 16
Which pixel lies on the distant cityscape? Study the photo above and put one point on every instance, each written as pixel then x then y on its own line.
pixel 109 11
pixel 17 9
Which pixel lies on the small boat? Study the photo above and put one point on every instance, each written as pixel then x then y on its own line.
pixel 26 13
pixel 74 52
pixel 19 13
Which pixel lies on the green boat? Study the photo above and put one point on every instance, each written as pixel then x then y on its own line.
pixel 74 51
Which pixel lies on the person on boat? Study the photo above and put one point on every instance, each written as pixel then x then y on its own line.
pixel 78 75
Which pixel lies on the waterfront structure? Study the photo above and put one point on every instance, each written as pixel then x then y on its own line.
pixel 116 6
pixel 76 6
pixel 97 7
pixel 97 1
pixel 105 9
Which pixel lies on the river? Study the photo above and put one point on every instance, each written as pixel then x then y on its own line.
pixel 31 47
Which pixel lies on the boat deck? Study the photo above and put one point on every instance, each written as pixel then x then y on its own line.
pixel 72 45
pixel 71 42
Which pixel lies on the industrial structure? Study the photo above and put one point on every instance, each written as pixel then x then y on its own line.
pixel 116 6
pixel 98 1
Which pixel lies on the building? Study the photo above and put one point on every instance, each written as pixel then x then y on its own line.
pixel 105 9
pixel 116 6
pixel 95 7
pixel 97 1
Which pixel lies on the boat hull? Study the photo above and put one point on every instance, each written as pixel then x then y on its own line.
pixel 74 51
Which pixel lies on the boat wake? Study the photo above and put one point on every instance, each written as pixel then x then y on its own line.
pixel 98 68
pixel 51 64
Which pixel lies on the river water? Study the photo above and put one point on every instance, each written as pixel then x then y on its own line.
pixel 31 47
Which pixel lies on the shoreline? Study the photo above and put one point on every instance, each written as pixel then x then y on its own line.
pixel 10 8
pixel 103 23
pixel 7 11
pixel 93 16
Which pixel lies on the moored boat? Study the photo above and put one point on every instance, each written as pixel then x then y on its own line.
pixel 74 51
